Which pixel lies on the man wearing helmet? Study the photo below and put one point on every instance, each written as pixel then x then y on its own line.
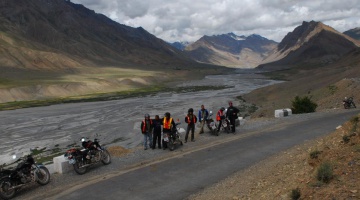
pixel 190 119
pixel 219 117
pixel 231 114
pixel 146 130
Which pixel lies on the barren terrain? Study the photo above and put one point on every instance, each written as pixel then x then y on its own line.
pixel 277 176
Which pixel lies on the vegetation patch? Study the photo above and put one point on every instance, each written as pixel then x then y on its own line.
pixel 315 154
pixel 295 194
pixel 303 105
pixel 325 172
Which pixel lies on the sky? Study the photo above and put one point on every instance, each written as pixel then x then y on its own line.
pixel 189 20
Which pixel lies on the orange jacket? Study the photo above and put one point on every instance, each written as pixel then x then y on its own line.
pixel 167 123
pixel 187 119
pixel 219 114
pixel 143 126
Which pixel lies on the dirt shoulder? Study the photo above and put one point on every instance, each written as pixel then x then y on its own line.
pixel 294 171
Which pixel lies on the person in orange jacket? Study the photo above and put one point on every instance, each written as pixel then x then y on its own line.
pixel 190 119
pixel 168 124
pixel 146 130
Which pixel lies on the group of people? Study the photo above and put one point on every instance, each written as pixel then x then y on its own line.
pixel 151 128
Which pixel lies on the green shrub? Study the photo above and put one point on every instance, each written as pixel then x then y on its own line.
pixel 354 120
pixel 325 172
pixel 295 194
pixel 346 138
pixel 303 105
pixel 315 154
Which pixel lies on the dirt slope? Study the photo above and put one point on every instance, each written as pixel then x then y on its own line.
pixel 294 169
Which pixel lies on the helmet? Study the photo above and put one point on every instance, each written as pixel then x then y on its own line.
pixel 222 108
pixel 190 110
pixel 167 114
pixel 147 115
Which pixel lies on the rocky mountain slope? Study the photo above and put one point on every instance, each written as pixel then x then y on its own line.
pixel 311 43
pixel 231 50
pixel 354 33
pixel 56 34
pixel 326 85
pixel 55 48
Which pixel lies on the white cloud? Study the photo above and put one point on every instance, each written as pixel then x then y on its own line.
pixel 188 20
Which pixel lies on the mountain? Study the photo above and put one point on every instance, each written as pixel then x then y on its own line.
pixel 57 34
pixel 311 43
pixel 180 45
pixel 56 48
pixel 231 50
pixel 354 33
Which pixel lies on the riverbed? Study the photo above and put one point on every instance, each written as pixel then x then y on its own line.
pixel 117 121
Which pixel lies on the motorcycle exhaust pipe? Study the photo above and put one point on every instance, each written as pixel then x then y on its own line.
pixel 87 165
pixel 17 186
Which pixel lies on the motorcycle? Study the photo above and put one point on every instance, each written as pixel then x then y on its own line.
pixel 92 153
pixel 173 138
pixel 348 103
pixel 225 125
pixel 26 172
pixel 211 124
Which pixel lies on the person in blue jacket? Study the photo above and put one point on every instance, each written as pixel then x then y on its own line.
pixel 202 116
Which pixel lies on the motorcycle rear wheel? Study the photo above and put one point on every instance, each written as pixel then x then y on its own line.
pixel 105 157
pixel 78 169
pixel 5 189
pixel 43 176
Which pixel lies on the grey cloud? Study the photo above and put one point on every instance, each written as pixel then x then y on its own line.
pixel 189 19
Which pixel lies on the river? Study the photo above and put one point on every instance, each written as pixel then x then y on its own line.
pixel 118 121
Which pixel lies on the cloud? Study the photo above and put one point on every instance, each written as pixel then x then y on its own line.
pixel 188 20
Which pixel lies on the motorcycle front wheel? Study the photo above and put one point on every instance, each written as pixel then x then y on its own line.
pixel 43 175
pixel 171 145
pixel 6 191
pixel 78 169
pixel 105 157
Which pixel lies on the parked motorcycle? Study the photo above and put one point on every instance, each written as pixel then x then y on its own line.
pixel 348 103
pixel 173 138
pixel 92 153
pixel 210 123
pixel 225 125
pixel 27 171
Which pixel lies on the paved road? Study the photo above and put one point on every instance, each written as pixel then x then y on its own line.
pixel 186 174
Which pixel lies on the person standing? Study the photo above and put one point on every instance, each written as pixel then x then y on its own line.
pixel 231 114
pixel 146 130
pixel 202 116
pixel 190 119
pixel 167 123
pixel 157 132
pixel 219 117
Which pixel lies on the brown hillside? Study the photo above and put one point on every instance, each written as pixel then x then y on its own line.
pixel 327 85
pixel 231 50
pixel 70 30
pixel 310 43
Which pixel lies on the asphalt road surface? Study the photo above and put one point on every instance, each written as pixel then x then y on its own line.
pixel 189 173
